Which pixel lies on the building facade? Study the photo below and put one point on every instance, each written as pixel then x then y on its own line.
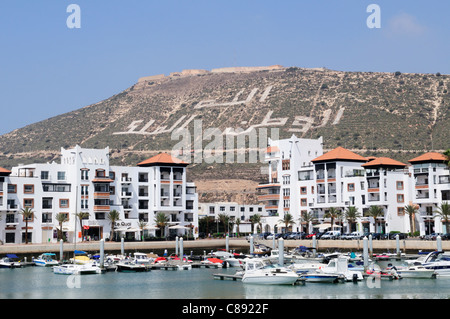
pixel 85 182
pixel 302 180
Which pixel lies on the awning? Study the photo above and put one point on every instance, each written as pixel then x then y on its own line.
pixel 12 256
pixel 178 227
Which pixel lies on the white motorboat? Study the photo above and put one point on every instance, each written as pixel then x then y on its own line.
pixel 416 272
pixel 10 261
pixel 339 266
pixel 320 277
pixel 275 256
pixel 258 272
pixel 76 269
pixel 143 259
pixel 46 260
pixel 304 267
pixel 233 262
pixel 438 261
pixel 127 265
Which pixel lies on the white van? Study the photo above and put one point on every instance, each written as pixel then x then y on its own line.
pixel 335 234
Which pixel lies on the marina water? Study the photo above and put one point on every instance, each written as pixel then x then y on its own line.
pixel 198 283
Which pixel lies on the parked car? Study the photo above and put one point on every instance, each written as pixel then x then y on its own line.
pixel 334 234
pixel 354 235
pixel 400 235
pixel 271 236
pixel 377 236
pixel 432 236
pixel 296 235
pixel 445 236
pixel 345 236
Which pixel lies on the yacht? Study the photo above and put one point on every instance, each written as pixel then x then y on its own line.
pixel 438 261
pixel 259 272
pixel 46 260
pixel 77 269
pixel 127 265
pixel 416 271
pixel 340 267
pixel 10 261
pixel 141 258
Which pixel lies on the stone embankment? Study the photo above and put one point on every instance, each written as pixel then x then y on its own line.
pixel 238 244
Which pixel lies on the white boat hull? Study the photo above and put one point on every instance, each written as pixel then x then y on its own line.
pixel 417 273
pixel 43 263
pixel 270 279
pixel 76 270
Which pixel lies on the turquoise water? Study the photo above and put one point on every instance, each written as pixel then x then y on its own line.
pixel 42 283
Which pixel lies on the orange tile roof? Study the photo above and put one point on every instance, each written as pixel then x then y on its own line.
pixel 429 157
pixel 272 149
pixel 4 171
pixel 383 161
pixel 340 154
pixel 163 158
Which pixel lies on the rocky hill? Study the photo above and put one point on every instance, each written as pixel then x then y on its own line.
pixel 394 114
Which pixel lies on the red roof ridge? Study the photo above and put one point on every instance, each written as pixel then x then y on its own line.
pixel 340 153
pixel 162 158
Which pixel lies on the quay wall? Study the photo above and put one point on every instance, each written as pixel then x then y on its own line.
pixel 240 245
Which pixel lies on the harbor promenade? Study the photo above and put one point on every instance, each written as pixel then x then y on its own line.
pixel 237 244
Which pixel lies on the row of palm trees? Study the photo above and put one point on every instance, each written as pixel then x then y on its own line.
pixel 161 220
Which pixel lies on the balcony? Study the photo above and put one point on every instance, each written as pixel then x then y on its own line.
pixel 266 197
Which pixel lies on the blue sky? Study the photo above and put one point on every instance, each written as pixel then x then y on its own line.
pixel 47 69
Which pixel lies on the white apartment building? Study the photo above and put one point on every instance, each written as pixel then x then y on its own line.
pixel 304 180
pixel 85 182
pixel 235 211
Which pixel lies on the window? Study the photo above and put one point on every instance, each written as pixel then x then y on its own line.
pixel 84 174
pixel 12 188
pixel 61 176
pixel 286 203
pixel 303 190
pixel 84 204
pixel 84 189
pixel 28 189
pixel 303 202
pixel 286 180
pixel 351 187
pixel 44 175
pixel 28 203
pixel 400 211
pixel 242 209
pixel 400 198
pixel 286 192
pixel 222 208
pixel 211 209
pixel 399 185
pixel 286 165
pixel 232 209
pixel 63 203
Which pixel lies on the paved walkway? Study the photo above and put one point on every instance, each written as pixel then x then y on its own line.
pixel 240 244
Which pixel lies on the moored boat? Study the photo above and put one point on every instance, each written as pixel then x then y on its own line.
pixel 131 266
pixel 75 269
pixel 46 260
pixel 258 272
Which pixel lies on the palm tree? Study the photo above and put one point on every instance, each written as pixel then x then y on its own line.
pixel 141 225
pixel 60 218
pixel 161 221
pixel 375 212
pixel 27 214
pixel 307 218
pixel 224 219
pixel 411 210
pixel 332 213
pixel 81 216
pixel 351 214
pixel 287 220
pixel 444 212
pixel 113 216
pixel 256 219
